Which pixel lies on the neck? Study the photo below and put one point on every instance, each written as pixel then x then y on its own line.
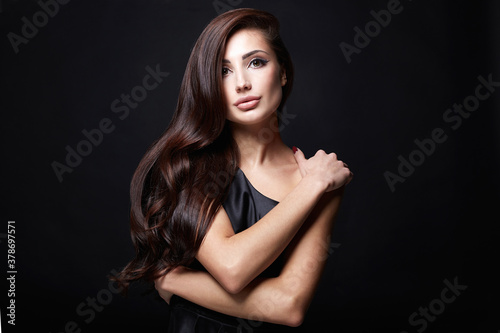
pixel 258 143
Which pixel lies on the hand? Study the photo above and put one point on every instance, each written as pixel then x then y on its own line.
pixel 164 293
pixel 331 172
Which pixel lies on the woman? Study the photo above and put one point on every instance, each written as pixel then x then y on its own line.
pixel 224 215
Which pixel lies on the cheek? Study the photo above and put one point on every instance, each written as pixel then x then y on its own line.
pixel 226 92
pixel 276 96
pixel 273 86
pixel 274 81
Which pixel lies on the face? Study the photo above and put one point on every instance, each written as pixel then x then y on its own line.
pixel 252 78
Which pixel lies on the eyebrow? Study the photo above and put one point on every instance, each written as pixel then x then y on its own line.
pixel 246 55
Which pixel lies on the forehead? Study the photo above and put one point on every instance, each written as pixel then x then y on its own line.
pixel 246 40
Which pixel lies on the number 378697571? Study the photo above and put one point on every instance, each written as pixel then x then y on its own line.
pixel 11 244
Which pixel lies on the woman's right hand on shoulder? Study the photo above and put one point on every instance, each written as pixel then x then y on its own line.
pixel 331 172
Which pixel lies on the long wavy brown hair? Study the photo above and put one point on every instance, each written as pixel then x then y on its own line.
pixel 183 178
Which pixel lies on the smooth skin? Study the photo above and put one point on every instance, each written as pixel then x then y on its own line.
pixel 309 192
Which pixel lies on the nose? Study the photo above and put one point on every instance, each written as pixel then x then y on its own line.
pixel 242 83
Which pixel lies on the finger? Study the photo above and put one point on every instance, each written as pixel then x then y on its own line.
pixel 300 158
pixel 349 178
pixel 299 155
pixel 335 157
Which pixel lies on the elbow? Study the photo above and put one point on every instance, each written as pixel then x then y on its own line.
pixel 232 286
pixel 295 313
pixel 295 320
pixel 232 279
pixel 284 308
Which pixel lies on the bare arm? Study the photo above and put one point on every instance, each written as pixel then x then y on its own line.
pixel 308 253
pixel 230 258
pixel 282 300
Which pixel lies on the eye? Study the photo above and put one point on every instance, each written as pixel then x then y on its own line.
pixel 225 71
pixel 256 63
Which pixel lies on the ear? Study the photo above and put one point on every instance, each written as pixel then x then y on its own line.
pixel 283 76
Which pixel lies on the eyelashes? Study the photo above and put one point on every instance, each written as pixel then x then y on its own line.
pixel 254 63
pixel 258 62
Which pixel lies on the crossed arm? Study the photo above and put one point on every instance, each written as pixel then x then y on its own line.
pixel 303 220
pixel 281 300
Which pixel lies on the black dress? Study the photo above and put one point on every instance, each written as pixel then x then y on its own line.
pixel 244 206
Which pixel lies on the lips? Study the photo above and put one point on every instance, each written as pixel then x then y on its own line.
pixel 247 103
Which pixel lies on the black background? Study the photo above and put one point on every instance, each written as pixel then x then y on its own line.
pixel 392 249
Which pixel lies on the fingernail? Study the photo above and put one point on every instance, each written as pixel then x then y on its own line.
pixel 294 149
